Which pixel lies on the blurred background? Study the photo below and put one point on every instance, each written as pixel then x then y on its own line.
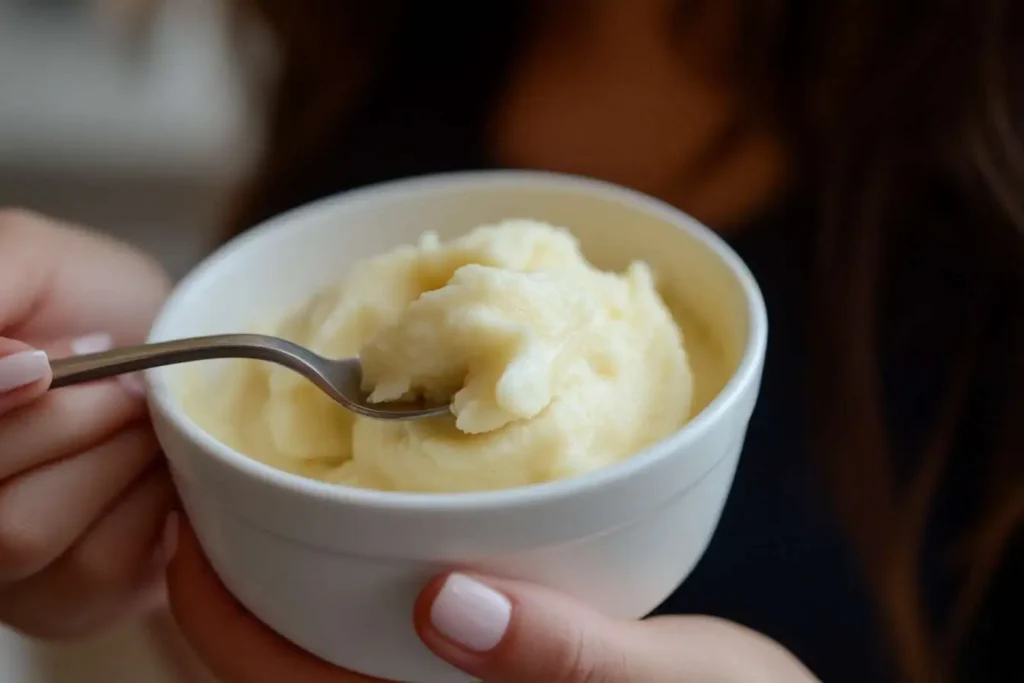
pixel 126 115
pixel 129 116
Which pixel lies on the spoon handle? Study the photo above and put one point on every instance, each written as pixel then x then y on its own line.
pixel 88 367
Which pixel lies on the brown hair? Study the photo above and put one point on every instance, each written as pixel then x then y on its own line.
pixel 907 116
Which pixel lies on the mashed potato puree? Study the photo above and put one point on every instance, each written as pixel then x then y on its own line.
pixel 554 368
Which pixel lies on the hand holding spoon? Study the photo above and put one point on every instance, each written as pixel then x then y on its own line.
pixel 339 379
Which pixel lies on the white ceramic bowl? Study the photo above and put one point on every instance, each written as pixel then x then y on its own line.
pixel 336 570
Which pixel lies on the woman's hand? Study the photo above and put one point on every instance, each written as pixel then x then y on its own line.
pixel 500 631
pixel 83 493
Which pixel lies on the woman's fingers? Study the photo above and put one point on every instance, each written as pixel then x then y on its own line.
pixel 25 371
pixel 493 629
pixel 125 544
pixel 57 280
pixel 64 422
pixel 73 461
pixel 116 565
pixel 504 631
pixel 24 374
pixel 45 510
pixel 39 426
pixel 233 645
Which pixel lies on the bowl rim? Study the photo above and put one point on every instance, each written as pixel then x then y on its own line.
pixel 163 401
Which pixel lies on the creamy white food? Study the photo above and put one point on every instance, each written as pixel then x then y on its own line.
pixel 553 368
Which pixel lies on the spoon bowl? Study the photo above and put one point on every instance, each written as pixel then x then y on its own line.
pixel 340 379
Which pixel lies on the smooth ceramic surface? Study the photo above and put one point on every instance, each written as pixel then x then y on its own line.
pixel 337 570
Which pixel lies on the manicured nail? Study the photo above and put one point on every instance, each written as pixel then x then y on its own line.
pixel 92 343
pixel 473 615
pixel 21 369
pixel 169 542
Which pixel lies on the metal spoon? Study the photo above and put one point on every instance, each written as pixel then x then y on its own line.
pixel 339 379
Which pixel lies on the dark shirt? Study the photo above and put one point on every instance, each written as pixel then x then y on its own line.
pixel 779 563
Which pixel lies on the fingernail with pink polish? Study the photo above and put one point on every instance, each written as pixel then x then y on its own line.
pixel 92 343
pixel 169 540
pixel 471 614
pixel 21 369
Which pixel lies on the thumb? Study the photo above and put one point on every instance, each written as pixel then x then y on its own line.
pixel 508 632
pixel 24 374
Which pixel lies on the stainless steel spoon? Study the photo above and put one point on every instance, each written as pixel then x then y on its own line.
pixel 339 379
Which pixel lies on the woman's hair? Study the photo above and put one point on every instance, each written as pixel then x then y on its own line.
pixel 906 117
